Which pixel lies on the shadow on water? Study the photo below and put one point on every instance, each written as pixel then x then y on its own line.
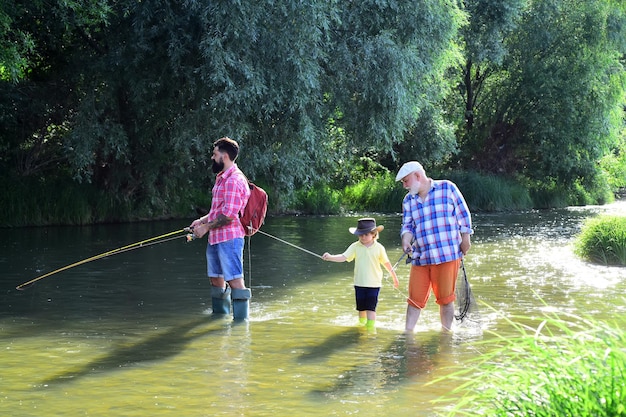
pixel 155 348
pixel 340 341
pixel 405 360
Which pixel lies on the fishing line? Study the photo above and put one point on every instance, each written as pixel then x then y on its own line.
pixel 290 244
pixel 249 263
pixel 144 243
pixel 394 268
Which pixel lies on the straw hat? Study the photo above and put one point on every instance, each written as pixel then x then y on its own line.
pixel 364 226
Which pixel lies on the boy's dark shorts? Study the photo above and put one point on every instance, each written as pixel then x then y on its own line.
pixel 366 298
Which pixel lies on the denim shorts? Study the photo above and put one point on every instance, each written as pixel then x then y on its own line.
pixel 225 259
pixel 366 298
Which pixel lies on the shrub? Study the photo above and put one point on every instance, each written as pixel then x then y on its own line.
pixel 603 240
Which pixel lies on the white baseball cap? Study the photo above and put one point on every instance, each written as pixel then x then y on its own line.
pixel 409 168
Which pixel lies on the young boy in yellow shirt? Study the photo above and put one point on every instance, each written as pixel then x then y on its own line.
pixel 368 255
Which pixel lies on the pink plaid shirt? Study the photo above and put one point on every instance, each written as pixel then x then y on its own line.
pixel 230 196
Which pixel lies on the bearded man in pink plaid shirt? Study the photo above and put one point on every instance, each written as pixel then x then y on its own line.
pixel 224 252
pixel 436 229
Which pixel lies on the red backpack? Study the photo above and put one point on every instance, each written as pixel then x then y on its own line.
pixel 253 215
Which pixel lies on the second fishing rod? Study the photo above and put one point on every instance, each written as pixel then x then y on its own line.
pixel 176 234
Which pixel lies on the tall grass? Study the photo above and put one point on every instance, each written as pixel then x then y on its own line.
pixel 603 240
pixel 550 194
pixel 44 202
pixel 57 201
pixel 382 193
pixel 486 192
pixel 320 199
pixel 379 194
pixel 571 366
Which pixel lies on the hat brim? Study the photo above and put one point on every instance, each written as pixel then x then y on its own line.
pixel 408 168
pixel 358 232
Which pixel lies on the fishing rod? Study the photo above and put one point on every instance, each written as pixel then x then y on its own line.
pixel 399 259
pixel 141 244
pixel 319 256
pixel 463 309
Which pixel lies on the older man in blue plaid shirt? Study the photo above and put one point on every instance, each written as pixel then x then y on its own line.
pixel 436 229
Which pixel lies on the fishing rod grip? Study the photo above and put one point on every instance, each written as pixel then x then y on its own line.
pixel 199 230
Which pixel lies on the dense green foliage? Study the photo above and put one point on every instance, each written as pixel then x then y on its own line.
pixel 123 99
pixel 550 106
pixel 556 367
pixel 603 240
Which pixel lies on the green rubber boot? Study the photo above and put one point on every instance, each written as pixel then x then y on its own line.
pixel 220 298
pixel 241 303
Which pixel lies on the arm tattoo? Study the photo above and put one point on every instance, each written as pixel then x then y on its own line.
pixel 220 221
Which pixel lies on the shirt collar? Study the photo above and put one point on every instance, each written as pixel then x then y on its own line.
pixel 226 174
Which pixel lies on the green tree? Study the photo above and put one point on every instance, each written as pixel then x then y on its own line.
pixel 489 23
pixel 555 107
pixel 15 45
pixel 41 44
pixel 407 113
pixel 140 92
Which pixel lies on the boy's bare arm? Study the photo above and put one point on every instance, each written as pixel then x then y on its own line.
pixel 333 258
pixel 392 272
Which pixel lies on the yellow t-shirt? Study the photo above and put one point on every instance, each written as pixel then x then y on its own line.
pixel 367 264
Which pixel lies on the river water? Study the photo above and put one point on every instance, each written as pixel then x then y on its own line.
pixel 132 334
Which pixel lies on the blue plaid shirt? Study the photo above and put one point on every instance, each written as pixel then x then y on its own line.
pixel 436 223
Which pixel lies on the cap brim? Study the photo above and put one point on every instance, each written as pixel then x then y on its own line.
pixel 358 232
pixel 403 173
pixel 407 169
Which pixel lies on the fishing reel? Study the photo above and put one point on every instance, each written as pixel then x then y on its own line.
pixel 190 234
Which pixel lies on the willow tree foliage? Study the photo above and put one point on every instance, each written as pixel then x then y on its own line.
pixel 41 46
pixel 566 87
pixel 555 105
pixel 132 99
pixel 483 38
pixel 130 95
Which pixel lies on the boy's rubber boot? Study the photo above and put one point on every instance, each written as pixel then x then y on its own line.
pixel 220 298
pixel 241 303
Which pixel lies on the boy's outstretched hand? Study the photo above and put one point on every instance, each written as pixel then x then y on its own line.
pixel 396 284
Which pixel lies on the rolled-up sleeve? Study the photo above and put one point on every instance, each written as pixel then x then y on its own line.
pixel 463 216
pixel 408 224
pixel 235 198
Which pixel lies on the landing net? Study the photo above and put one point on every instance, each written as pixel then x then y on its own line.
pixel 467 310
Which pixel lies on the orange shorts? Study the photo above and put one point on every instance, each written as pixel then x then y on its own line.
pixel 441 278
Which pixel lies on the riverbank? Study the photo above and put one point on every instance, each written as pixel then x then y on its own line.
pixel 59 201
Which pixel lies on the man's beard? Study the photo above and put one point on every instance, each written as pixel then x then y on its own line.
pixel 217 166
pixel 414 189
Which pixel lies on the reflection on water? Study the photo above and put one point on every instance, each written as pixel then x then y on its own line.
pixel 132 334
